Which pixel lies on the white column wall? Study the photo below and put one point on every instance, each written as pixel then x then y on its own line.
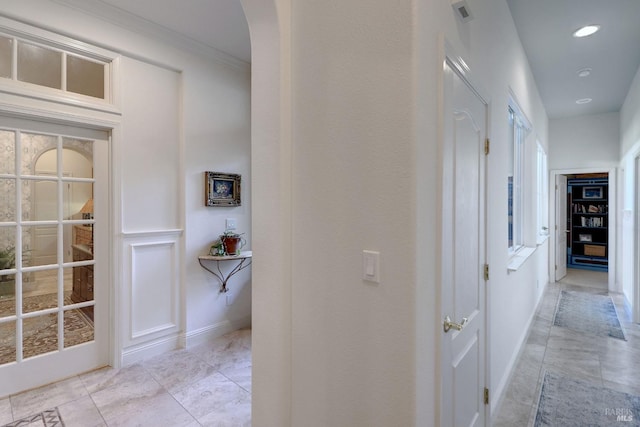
pixel 630 217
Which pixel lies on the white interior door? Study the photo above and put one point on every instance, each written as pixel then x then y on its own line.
pixel 463 291
pixel 561 226
pixel 53 312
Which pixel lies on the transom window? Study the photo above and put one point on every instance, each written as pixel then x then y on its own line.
pixel 35 63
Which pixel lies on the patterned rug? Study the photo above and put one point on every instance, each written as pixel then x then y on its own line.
pixel 40 334
pixel 588 313
pixel 567 402
pixel 48 418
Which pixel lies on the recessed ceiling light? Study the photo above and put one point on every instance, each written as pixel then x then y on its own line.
pixel 585 31
pixel 584 72
pixel 584 101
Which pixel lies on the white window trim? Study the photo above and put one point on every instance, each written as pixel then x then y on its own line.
pixel 31 34
pixel 520 253
pixel 542 219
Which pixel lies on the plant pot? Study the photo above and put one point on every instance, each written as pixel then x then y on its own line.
pixel 232 245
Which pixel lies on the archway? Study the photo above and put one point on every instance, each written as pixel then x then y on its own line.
pixel 269 27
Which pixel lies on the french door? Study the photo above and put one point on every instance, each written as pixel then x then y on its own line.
pixel 54 277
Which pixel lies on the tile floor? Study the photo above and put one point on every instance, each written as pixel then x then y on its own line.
pixel 208 385
pixel 211 384
pixel 608 362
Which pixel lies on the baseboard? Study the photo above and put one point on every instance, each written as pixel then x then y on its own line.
pixel 200 336
pixel 140 352
pixel 185 340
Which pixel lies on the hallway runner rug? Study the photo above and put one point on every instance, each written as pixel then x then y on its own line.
pixel 567 402
pixel 48 418
pixel 588 313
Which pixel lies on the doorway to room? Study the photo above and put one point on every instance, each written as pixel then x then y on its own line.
pixel 584 228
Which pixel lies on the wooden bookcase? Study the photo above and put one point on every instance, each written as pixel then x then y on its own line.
pixel 588 223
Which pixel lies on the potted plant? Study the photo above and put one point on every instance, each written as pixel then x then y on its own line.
pixel 232 242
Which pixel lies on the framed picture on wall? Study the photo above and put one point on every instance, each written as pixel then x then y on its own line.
pixel 592 192
pixel 222 189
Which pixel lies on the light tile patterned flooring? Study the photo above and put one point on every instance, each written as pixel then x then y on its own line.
pixel 208 385
pixel 211 384
pixel 607 362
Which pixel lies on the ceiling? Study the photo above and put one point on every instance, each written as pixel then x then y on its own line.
pixel 555 56
pixel 219 24
pixel 545 28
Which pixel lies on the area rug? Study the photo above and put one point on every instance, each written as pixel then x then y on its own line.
pixel 567 402
pixel 40 334
pixel 48 418
pixel 588 313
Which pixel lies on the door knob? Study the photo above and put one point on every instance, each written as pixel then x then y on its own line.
pixel 448 324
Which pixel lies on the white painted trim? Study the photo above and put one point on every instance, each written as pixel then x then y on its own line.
pixel 175 289
pixel 518 259
pixel 153 233
pixel 146 350
pixel 634 304
pixel 207 333
pixel 37 34
pixel 131 22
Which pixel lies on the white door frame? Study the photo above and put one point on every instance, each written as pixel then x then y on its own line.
pixel 612 219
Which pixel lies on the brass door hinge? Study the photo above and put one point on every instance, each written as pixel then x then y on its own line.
pixel 486 396
pixel 487 146
pixel 486 272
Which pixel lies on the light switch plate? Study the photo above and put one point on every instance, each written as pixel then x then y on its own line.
pixel 371 266
pixel 230 224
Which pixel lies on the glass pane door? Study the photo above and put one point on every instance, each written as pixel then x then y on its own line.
pixel 47 262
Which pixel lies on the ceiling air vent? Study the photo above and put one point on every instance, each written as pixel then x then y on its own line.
pixel 462 10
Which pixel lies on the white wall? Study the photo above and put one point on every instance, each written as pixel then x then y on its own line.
pixel 629 151
pixel 591 141
pixel 365 131
pixel 182 110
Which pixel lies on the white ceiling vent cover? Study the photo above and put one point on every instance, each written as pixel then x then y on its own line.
pixel 462 10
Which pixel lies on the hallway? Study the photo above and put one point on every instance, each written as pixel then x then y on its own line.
pixel 601 361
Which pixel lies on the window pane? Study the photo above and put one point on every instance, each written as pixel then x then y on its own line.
pixel 78 200
pixel 78 326
pixel 77 157
pixel 85 77
pixel 6 55
pixel 7 151
pixel 39 290
pixel 7 342
pixel 39 245
pixel 7 300
pixel 82 242
pixel 39 65
pixel 7 251
pixel 39 335
pixel 39 154
pixel 7 200
pixel 43 203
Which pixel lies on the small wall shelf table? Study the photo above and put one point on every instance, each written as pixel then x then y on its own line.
pixel 243 261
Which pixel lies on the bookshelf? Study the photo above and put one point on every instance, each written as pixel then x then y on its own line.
pixel 588 221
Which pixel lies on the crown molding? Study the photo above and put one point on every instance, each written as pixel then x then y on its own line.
pixel 144 27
